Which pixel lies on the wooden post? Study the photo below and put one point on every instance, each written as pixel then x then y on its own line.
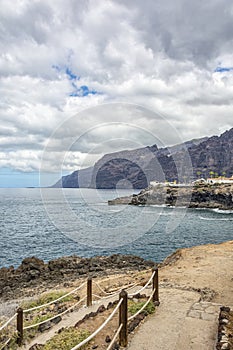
pixel 19 326
pixel 155 285
pixel 123 319
pixel 89 291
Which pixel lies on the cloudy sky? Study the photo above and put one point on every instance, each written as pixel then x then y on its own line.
pixel 79 78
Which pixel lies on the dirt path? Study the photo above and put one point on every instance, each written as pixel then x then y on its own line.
pixel 175 326
pixel 182 321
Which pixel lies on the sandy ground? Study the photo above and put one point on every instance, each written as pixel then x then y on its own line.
pixel 207 266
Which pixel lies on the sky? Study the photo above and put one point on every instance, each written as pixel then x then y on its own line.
pixel 79 79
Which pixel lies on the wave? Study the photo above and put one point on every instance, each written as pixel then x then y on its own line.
pixel 214 219
pixel 220 211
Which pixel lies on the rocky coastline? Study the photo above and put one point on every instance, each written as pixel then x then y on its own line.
pixel 217 196
pixel 35 273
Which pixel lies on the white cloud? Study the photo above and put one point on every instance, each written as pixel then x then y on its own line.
pixel 161 55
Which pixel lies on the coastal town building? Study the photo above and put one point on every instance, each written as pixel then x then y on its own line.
pixel 220 180
pixel 214 180
pixel 201 181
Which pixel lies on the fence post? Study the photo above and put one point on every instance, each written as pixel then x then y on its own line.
pixel 155 285
pixel 19 326
pixel 89 291
pixel 123 319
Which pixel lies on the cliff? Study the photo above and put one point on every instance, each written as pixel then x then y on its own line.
pixel 201 196
pixel 79 178
pixel 136 168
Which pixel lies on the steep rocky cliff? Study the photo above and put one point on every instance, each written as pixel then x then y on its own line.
pixel 136 168
pixel 79 178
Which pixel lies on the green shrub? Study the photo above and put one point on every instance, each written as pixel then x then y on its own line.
pixel 47 298
pixel 135 307
pixel 67 339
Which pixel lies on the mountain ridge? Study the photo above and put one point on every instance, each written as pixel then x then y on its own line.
pixel 136 168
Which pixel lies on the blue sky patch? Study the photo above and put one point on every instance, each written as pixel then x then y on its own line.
pixel 77 91
pixel 82 91
pixel 223 69
pixel 68 71
pixel 71 75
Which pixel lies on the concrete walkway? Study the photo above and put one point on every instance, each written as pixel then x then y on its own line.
pixel 181 322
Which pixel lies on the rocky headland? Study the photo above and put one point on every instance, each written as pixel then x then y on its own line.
pixel 34 273
pixel 199 196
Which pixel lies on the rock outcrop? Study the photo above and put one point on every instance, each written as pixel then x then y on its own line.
pixel 200 196
pixel 33 271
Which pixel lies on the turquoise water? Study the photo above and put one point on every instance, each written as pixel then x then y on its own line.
pixel 80 222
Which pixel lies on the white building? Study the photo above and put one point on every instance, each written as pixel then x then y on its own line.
pixel 220 180
pixel 201 181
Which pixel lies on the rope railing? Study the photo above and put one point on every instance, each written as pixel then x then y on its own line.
pixel 52 318
pixel 122 330
pixel 116 293
pixel 105 298
pixel 123 315
pixel 97 296
pixel 56 300
pixel 143 288
pixel 8 322
pixel 127 286
pixel 5 344
pixel 118 276
pixel 85 341
pixel 143 307
pixel 115 337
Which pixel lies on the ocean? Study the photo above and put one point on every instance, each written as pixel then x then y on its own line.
pixel 51 223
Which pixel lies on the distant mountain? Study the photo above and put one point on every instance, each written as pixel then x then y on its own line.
pixel 136 168
pixel 79 178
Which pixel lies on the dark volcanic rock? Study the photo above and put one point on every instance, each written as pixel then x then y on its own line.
pixel 33 271
pixel 202 196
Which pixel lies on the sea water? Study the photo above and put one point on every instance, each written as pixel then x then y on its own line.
pixel 63 222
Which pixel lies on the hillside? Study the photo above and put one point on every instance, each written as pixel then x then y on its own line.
pixel 136 168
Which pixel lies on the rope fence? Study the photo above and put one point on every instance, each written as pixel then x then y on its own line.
pixel 122 306
pixel 100 328
pixel 115 337
pixel 143 288
pixel 143 307
pixel 52 318
pixel 8 322
pixel 128 286
pixel 55 301
pixel 5 344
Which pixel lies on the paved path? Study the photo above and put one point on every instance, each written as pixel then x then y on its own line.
pixel 181 322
